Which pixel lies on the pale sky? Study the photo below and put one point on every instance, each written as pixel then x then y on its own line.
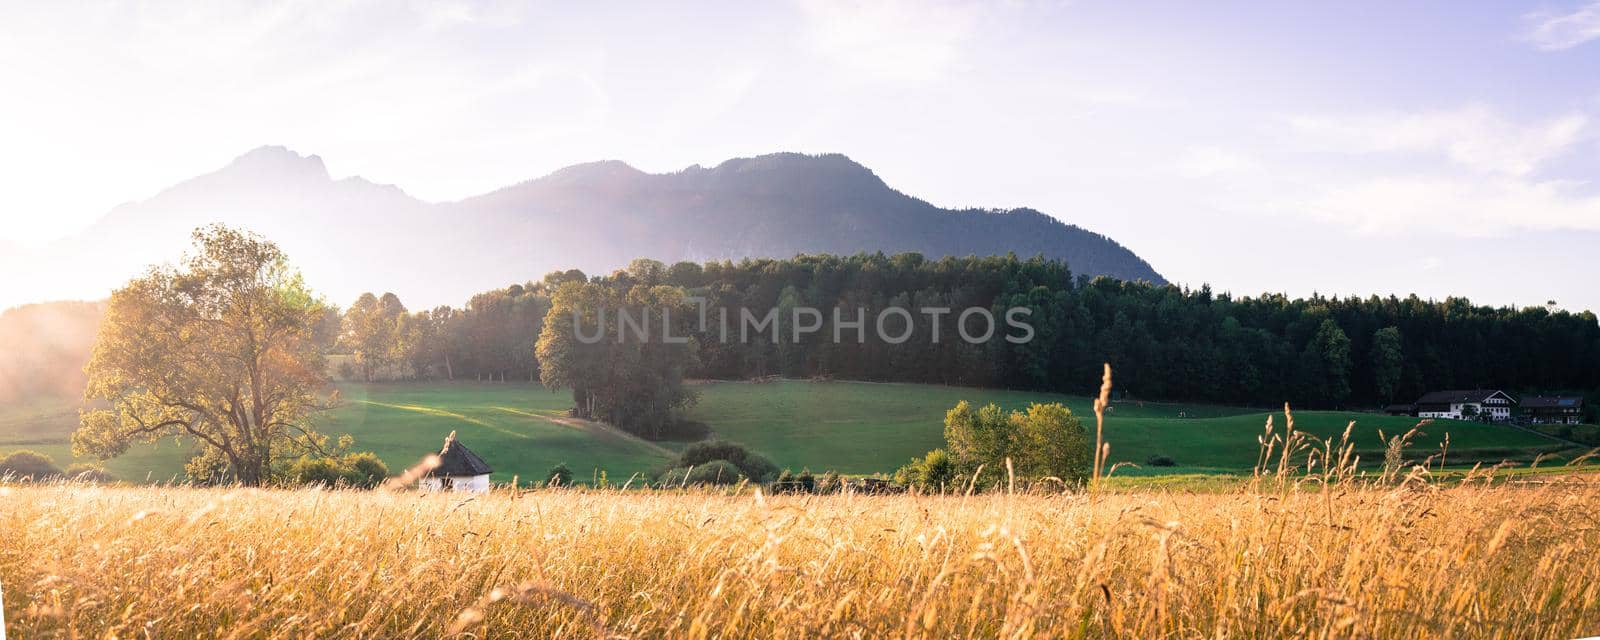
pixel 1347 148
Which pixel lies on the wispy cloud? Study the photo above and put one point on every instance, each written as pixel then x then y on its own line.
pixel 1448 175
pixel 893 39
pixel 1205 162
pixel 1456 206
pixel 1474 137
pixel 1464 173
pixel 1557 31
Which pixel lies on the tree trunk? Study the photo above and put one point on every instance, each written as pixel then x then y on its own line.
pixel 249 473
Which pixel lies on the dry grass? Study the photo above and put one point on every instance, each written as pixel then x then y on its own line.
pixel 1302 560
pixel 1307 546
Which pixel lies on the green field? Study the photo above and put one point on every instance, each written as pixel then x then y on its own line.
pixel 850 427
pixel 519 429
pixel 855 427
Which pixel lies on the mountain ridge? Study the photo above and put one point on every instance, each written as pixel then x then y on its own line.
pixel 351 234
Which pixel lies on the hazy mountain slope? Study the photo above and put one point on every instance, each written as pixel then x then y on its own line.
pixel 43 348
pixel 352 235
pixel 776 205
pixel 344 234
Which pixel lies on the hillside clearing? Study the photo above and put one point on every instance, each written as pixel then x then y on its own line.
pixel 857 427
pixel 850 427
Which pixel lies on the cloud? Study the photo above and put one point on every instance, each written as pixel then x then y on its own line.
pixel 1205 162
pixel 440 14
pixel 1470 172
pixel 1456 206
pixel 891 40
pixel 1554 32
pixel 1473 137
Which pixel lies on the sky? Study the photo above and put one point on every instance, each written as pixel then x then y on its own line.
pixel 1437 148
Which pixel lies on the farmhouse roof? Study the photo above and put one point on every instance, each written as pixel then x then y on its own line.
pixel 455 459
pixel 1460 395
pixel 1552 402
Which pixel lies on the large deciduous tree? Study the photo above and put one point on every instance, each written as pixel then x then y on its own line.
pixel 221 350
pixel 620 374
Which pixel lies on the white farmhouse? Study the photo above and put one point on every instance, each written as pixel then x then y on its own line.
pixel 1475 404
pixel 459 470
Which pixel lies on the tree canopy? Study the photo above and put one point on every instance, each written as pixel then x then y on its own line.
pixel 632 376
pixel 221 350
pixel 1168 342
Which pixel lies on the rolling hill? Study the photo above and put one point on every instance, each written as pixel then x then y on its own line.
pixel 851 427
pixel 350 235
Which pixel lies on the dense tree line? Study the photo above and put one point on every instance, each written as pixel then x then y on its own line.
pixel 1168 342
pixel 490 339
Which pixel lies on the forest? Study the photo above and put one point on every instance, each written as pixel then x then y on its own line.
pixel 1168 342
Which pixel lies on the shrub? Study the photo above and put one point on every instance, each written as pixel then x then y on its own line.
pixel 758 467
pixel 357 470
pixel 786 482
pixel 1160 461
pixel 933 472
pixel 310 470
pixel 829 482
pixel 753 465
pixel 1044 441
pixel 559 475
pixel 365 469
pixel 806 482
pixel 715 472
pixel 89 473
pixel 676 476
pixel 28 464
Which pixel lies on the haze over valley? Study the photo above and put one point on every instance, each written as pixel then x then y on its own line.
pixel 349 235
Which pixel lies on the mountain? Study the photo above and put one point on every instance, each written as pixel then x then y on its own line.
pixel 345 235
pixel 604 214
pixel 351 235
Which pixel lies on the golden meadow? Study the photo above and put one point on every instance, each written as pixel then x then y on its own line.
pixel 1311 546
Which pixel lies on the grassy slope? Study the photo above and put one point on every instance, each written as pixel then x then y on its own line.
pixel 517 429
pixel 846 426
pixel 862 428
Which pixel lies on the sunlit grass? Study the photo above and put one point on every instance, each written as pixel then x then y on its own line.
pixel 850 427
pixel 1355 560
